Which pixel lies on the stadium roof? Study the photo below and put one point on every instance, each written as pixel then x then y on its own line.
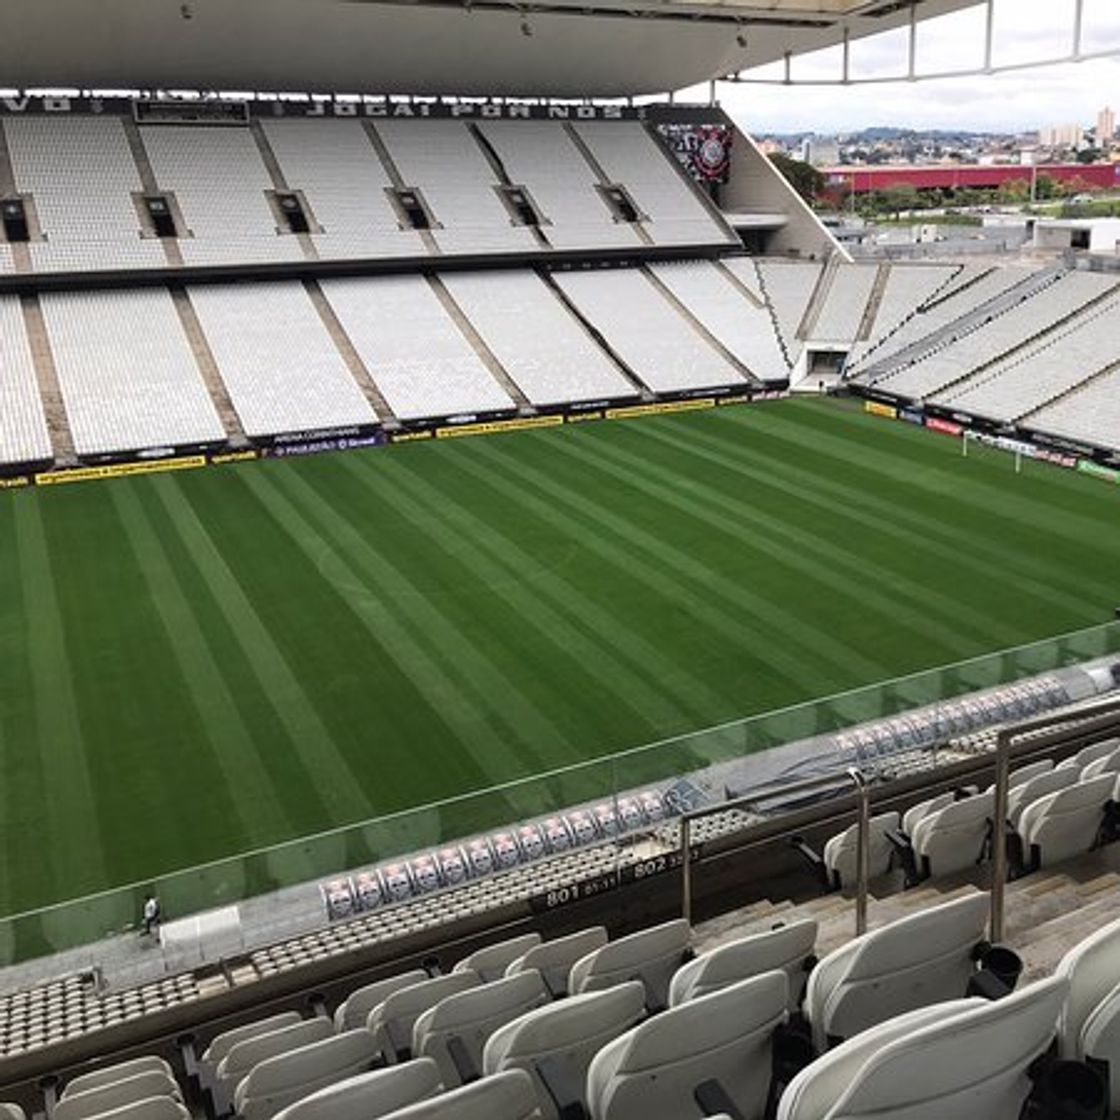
pixel 552 48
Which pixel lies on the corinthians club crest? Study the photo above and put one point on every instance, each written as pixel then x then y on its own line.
pixel 711 153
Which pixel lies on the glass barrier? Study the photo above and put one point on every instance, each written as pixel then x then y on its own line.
pixel 305 863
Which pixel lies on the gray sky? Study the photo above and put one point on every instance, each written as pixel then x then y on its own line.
pixel 1026 30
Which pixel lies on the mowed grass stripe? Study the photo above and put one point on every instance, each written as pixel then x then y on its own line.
pixel 325 767
pixel 781 654
pixel 250 800
pixel 69 810
pixel 761 456
pixel 568 624
pixel 882 586
pixel 904 569
pixel 448 672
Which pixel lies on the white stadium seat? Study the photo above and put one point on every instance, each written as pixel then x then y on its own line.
pixel 243 1056
pixel 1100 1039
pixel 1065 824
pixel 368 1096
pixel 554 959
pixel 354 1010
pixel 962 1060
pixel 917 960
pixel 114 1094
pixel 117 1072
pixel 392 1020
pixel 151 1108
pixel 280 1081
pixel 1024 773
pixel 786 947
pixel 651 955
pixel 923 809
pixel 505 1096
pixel 951 838
pixel 9 1111
pixel 460 1024
pixel 840 850
pixel 655 1068
pixel 1091 753
pixel 1020 796
pixel 221 1044
pixel 491 961
pixel 557 1043
pixel 1110 764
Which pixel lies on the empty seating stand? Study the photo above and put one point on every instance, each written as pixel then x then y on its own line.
pixel 504 1096
pixel 651 956
pixel 1065 823
pixel 367 1096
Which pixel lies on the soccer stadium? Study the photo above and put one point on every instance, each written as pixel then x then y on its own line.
pixel 503 616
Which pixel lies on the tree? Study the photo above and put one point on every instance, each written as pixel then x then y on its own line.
pixel 803 177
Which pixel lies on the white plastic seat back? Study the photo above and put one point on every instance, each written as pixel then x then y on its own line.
pixel 1110 764
pixel 554 959
pixel 118 1072
pixel 368 1096
pixel 1065 824
pixel 115 1094
pixel 11 1111
pixel 154 1108
pixel 392 1020
pixel 785 948
pixel 917 812
pixel 565 1036
pixel 354 1010
pixel 243 1056
pixel 1092 968
pixel 220 1045
pixel 490 962
pixel 651 955
pixel 952 838
pixel 472 1017
pixel 962 1060
pixel 1025 773
pixel 654 1068
pixel 921 959
pixel 280 1081
pixel 840 850
pixel 1094 751
pixel 1100 1039
pixel 1050 782
pixel 505 1096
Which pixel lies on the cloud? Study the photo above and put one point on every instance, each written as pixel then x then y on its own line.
pixel 1011 102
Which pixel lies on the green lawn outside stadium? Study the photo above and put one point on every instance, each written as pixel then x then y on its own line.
pixel 203 663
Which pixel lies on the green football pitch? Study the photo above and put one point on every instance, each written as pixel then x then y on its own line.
pixel 198 664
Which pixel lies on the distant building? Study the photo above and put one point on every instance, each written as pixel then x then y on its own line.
pixel 1061 136
pixel 1106 127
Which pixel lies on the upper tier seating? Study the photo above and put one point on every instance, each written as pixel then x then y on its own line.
pixel 962 1060
pixel 334 164
pixel 221 1044
pixel 652 956
pixel 908 287
pixel 286 1078
pixel 455 1031
pixel 129 380
pixel 789 286
pixel 504 1096
pixel 23 427
pixel 950 837
pixel 655 1068
pixel 540 344
pixel 654 340
pixel 445 163
pixel 917 960
pixel 1020 796
pixel 673 212
pixel 786 948
pixel 556 1043
pixel 220 183
pixel 243 1056
pixel 420 360
pixel 391 1022
pixel 367 1096
pixel 83 179
pixel 542 157
pixel 283 372
pixel 743 327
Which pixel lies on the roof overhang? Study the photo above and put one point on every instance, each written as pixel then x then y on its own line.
pixel 554 48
